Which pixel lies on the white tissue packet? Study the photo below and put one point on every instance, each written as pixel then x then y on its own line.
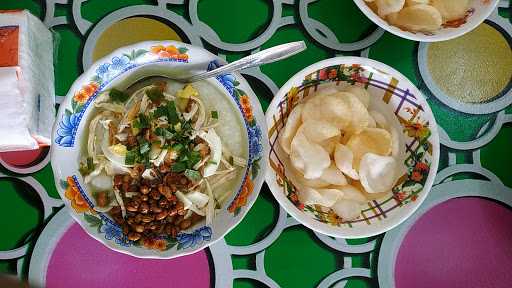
pixel 27 98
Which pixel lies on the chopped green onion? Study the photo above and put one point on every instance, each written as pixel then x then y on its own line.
pixel 118 96
pixel 144 148
pixel 186 126
pixel 172 114
pixel 136 124
pixel 178 147
pixel 167 134
pixel 147 164
pixel 155 94
pixel 215 114
pixel 193 175
pixel 160 111
pixel 193 158
pixel 131 155
pixel 159 131
pixel 144 121
pixel 178 167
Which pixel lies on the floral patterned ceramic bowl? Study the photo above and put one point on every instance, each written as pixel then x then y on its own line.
pixel 420 145
pixel 479 10
pixel 121 69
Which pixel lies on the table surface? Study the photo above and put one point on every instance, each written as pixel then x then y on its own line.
pixel 460 237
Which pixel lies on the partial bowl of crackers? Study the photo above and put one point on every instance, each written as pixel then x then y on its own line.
pixel 427 20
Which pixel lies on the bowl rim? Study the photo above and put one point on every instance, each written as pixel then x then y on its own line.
pixel 257 109
pixel 340 232
pixel 465 28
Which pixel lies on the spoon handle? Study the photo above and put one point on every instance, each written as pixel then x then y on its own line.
pixel 263 57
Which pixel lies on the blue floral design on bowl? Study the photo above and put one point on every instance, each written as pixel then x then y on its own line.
pixel 227 80
pixel 189 240
pixel 119 63
pixel 255 147
pixel 67 128
pixel 102 69
pixel 114 232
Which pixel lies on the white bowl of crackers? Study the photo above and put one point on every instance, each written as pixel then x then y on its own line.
pixel 427 20
pixel 354 147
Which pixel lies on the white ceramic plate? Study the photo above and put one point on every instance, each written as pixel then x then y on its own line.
pixel 477 13
pixel 419 145
pixel 121 69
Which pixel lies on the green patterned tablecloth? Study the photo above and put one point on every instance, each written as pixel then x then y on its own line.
pixel 467 82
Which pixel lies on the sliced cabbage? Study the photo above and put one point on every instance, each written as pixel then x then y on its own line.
pixel 91 140
pixel 188 115
pixel 155 151
pixel 161 157
pixel 238 161
pixel 201 113
pixel 188 204
pixel 144 103
pixel 117 108
pixel 215 145
pixel 119 200
pixel 132 108
pixel 113 169
pixel 201 163
pixel 198 198
pixel 210 208
pixel 97 170
pixel 218 180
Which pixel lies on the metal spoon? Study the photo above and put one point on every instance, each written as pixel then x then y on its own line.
pixel 263 57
